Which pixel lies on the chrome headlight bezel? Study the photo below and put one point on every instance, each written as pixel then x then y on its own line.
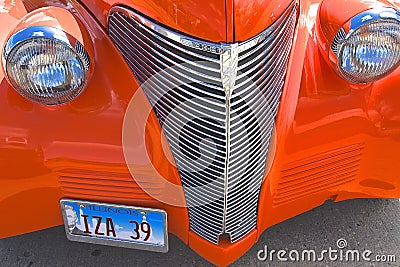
pixel 350 29
pixel 54 36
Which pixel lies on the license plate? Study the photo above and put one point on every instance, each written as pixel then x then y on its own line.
pixel 115 225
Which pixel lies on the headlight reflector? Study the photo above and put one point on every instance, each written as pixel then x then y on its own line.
pixel 45 65
pixel 371 49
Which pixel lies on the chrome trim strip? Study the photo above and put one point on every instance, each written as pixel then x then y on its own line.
pixel 371 15
pixel 360 20
pixel 37 32
pixel 48 33
pixel 229 65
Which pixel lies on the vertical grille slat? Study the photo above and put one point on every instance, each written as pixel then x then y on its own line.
pixel 218 133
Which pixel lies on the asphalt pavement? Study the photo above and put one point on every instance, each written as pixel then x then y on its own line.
pixel 364 225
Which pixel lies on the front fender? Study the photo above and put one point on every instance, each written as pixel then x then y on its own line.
pixel 47 152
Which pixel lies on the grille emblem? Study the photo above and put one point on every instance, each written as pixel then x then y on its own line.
pixel 229 64
pixel 216 49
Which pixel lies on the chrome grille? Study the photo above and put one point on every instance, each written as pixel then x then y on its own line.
pixel 337 40
pixel 217 105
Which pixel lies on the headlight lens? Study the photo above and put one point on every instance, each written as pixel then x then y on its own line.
pixel 371 50
pixel 44 67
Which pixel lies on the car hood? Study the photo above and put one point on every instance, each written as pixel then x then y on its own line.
pixel 202 19
pixel 253 16
pixel 223 21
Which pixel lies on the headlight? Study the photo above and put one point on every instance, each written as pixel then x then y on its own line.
pixel 371 48
pixel 46 65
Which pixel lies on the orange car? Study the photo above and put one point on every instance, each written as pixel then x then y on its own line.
pixel 126 120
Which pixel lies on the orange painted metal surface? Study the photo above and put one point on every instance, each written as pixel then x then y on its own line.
pixel 46 152
pixel 252 17
pixel 203 19
pixel 334 139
